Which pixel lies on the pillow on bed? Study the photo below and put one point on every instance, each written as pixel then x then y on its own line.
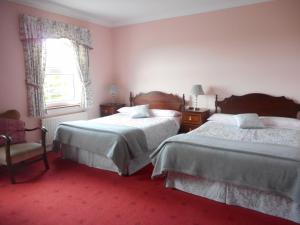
pixel 223 118
pixel 139 111
pixel 280 122
pixel 248 121
pixel 164 113
pixel 125 110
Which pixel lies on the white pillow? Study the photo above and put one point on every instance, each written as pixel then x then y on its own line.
pixel 223 118
pixel 164 113
pixel 280 122
pixel 125 110
pixel 139 111
pixel 248 121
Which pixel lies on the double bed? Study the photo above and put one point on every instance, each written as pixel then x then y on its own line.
pixel 258 168
pixel 120 143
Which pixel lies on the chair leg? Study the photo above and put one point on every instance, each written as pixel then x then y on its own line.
pixel 11 174
pixel 45 158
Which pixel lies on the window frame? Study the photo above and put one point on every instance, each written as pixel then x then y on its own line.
pixel 63 104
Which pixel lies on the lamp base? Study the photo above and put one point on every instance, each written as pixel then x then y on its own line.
pixel 194 108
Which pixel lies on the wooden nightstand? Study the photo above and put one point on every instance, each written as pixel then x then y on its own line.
pixel 192 119
pixel 110 108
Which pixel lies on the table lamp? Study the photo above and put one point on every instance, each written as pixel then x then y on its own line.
pixel 197 90
pixel 113 92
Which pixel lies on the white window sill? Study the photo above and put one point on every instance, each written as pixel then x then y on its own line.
pixel 63 110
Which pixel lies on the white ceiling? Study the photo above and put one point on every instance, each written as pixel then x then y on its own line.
pixel 114 13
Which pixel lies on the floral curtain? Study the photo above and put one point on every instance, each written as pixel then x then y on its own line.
pixel 35 62
pixel 33 32
pixel 82 54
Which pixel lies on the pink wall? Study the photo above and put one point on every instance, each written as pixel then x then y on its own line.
pixel 235 51
pixel 12 74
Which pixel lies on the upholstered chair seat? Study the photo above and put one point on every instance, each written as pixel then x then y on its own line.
pixel 21 152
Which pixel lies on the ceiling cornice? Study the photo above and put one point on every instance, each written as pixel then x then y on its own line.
pixel 62 10
pixel 179 14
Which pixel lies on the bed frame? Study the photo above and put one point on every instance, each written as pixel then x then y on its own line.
pixel 158 100
pixel 262 104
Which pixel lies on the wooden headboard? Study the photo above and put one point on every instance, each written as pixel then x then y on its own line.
pixel 158 100
pixel 262 104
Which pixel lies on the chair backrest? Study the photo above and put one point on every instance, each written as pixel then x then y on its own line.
pixel 11 125
pixel 11 114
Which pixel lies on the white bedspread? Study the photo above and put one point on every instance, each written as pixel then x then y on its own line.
pixel 262 201
pixel 156 129
pixel 287 137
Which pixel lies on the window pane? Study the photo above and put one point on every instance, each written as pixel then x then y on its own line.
pixel 62 83
pixel 59 88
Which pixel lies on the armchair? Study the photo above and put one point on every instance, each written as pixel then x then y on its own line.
pixel 14 150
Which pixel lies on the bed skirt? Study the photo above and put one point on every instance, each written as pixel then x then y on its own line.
pixel 98 161
pixel 261 201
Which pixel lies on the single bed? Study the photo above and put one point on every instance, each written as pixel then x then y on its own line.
pixel 118 142
pixel 258 169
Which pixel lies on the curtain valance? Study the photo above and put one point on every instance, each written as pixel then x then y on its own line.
pixel 32 27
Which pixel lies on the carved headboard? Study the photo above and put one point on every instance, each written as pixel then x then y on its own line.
pixel 158 100
pixel 262 104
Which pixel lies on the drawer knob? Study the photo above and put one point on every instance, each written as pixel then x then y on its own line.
pixel 190 118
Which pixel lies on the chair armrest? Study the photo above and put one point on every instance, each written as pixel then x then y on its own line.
pixel 7 147
pixel 6 138
pixel 44 132
pixel 43 129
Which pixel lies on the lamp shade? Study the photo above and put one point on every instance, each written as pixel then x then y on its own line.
pixel 113 89
pixel 197 90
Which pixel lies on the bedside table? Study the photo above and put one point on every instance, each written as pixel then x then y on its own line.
pixel 110 108
pixel 192 119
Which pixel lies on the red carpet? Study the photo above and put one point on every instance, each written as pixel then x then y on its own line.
pixel 70 194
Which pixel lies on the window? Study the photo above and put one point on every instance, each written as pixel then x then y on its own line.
pixel 62 85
